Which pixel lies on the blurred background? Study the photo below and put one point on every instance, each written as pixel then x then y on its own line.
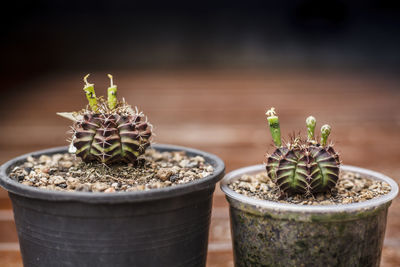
pixel 45 36
pixel 205 74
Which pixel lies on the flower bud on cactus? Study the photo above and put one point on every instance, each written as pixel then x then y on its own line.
pixel 304 167
pixel 310 122
pixel 110 131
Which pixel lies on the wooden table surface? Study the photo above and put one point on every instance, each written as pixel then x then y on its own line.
pixel 221 112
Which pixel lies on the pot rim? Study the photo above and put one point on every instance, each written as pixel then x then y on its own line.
pixel 99 197
pixel 338 208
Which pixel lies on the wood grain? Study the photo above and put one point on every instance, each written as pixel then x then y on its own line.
pixel 221 112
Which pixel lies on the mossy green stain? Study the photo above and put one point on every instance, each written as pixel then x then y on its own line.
pixel 302 241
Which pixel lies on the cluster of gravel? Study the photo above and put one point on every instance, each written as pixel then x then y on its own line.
pixel 351 188
pixel 64 172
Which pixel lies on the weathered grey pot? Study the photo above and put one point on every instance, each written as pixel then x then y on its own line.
pixel 267 233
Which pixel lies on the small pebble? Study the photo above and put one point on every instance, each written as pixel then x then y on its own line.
pixel 58 180
pixel 72 181
pixel 174 178
pixel 184 163
pixel 83 187
pixel 198 159
pixel 66 164
pixel 99 187
pixel 28 165
pixel 44 158
pixel 109 190
pixel 177 156
pixel 164 174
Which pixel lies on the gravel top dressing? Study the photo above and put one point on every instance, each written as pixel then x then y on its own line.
pixel 65 172
pixel 351 188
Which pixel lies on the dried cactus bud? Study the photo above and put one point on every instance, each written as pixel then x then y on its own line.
pixel 90 94
pixel 302 167
pixel 273 122
pixel 311 122
pixel 325 131
pixel 112 94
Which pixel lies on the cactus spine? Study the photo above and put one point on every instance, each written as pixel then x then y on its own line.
pixel 303 167
pixel 110 131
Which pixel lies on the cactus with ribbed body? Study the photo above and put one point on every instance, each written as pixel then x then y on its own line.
pixel 108 131
pixel 302 166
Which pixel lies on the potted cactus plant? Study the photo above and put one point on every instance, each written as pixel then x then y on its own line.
pixel 112 198
pixel 303 208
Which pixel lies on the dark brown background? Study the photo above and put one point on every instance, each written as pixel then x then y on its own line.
pixel 205 76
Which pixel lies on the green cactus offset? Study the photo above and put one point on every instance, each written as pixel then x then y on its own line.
pixel 108 131
pixel 302 166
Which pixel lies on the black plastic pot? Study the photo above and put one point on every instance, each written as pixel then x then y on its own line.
pixel 159 227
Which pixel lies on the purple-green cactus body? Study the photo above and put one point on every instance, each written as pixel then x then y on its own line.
pixel 109 138
pixel 304 169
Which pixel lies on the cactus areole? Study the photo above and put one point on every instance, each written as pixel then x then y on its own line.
pixel 302 166
pixel 108 131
